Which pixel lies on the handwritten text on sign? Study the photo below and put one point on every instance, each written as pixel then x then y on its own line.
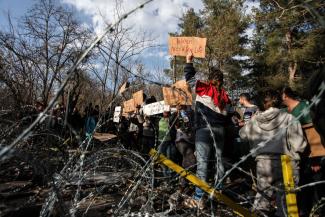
pixel 181 46
pixel 155 108
pixel 128 106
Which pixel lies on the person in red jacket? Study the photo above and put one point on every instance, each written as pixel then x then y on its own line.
pixel 210 118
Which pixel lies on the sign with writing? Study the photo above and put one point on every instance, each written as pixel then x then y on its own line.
pixel 138 98
pixel 128 106
pixel 181 46
pixel 155 108
pixel 117 114
pixel 178 94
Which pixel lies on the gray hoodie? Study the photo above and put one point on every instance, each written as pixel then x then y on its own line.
pixel 285 134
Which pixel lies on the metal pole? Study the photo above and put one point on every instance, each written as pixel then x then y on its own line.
pixel 174 70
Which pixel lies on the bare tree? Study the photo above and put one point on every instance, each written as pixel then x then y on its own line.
pixel 121 47
pixel 37 56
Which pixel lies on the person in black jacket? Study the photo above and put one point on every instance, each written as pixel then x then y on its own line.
pixel 210 117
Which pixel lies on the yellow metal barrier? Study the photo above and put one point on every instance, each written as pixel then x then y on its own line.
pixel 289 185
pixel 201 184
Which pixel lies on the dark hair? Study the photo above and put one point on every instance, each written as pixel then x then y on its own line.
pixel 215 74
pixel 152 99
pixel 290 93
pixel 236 114
pixel 245 95
pixel 271 98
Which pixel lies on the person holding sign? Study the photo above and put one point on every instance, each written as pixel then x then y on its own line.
pixel 149 127
pixel 210 118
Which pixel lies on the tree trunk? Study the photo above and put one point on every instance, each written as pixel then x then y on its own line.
pixel 292 72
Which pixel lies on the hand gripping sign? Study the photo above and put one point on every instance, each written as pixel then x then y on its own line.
pixel 181 46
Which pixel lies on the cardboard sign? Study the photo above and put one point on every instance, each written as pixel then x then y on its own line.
pixel 123 87
pixel 138 98
pixel 117 114
pixel 178 94
pixel 128 106
pixel 181 46
pixel 103 137
pixel 155 108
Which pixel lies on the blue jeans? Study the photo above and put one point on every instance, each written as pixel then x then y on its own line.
pixel 206 147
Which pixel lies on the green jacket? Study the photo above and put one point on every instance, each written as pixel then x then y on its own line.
pixel 304 119
pixel 164 130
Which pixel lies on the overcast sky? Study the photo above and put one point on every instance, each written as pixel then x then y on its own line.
pixel 158 18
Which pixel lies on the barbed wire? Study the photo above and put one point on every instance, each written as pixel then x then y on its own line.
pixel 146 167
pixel 109 29
pixel 132 73
pixel 141 173
pixel 314 101
pixel 79 165
pixel 46 209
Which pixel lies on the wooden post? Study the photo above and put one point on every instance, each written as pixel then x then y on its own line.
pixel 174 70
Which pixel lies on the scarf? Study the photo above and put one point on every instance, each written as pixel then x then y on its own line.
pixel 219 98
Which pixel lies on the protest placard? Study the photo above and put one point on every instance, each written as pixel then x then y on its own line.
pixel 128 106
pixel 138 98
pixel 123 87
pixel 155 108
pixel 181 46
pixel 178 94
pixel 117 114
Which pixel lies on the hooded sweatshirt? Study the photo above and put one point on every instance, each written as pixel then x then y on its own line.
pixel 285 133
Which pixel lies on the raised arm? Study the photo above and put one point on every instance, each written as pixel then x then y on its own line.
pixel 189 71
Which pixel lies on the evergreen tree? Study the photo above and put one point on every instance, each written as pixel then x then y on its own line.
pixel 289 43
pixel 223 24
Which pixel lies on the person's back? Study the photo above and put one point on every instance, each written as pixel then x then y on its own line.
pixel 271 125
pixel 274 132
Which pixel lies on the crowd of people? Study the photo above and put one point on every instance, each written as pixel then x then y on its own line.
pixel 278 123
pixel 275 123
pixel 60 118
